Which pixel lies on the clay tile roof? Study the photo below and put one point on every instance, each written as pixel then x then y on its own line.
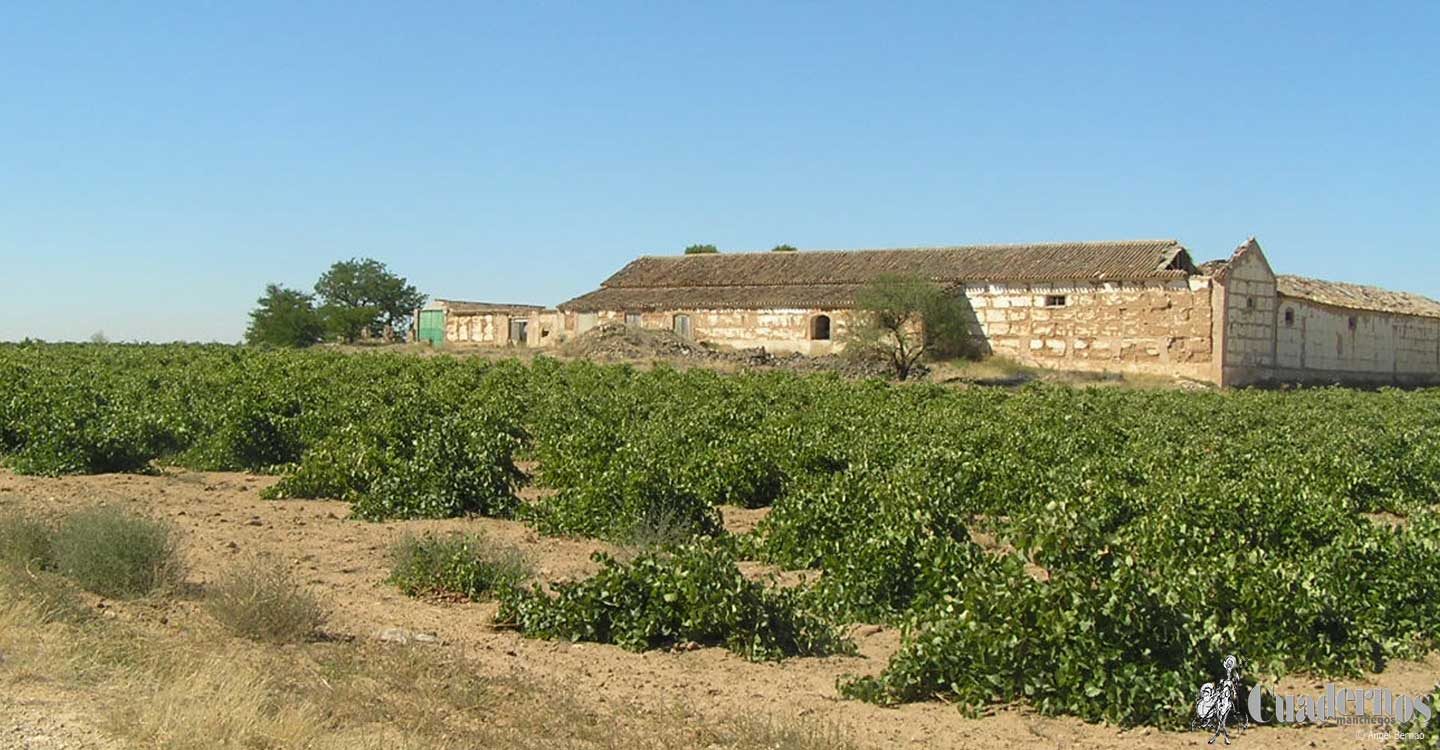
pixel 1356 296
pixel 830 278
pixel 461 307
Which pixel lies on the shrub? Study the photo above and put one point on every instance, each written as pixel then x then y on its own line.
pixel 26 541
pixel 879 537
pixel 87 433
pixel 467 565
pixel 657 529
pixel 1060 646
pixel 262 601
pixel 694 594
pixel 436 449
pixel 460 465
pixel 113 553
pixel 905 318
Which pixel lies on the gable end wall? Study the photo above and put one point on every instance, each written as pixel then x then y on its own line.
pixel 1248 303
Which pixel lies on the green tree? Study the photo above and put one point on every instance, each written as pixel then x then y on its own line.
pixel 349 323
pixel 284 317
pixel 701 250
pixel 903 318
pixel 783 249
pixel 361 296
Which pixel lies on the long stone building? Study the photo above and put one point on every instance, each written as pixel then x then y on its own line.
pixel 1138 306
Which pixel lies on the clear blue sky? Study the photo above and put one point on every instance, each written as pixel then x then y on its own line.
pixel 159 163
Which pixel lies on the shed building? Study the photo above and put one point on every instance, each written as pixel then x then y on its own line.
pixel 486 323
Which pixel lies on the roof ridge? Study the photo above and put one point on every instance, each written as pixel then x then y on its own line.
pixel 925 248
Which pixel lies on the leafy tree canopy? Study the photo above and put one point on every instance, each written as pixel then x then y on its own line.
pixel 284 317
pixel 361 296
pixel 783 249
pixel 701 250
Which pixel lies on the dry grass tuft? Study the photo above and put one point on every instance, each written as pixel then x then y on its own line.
pixel 25 541
pixel 195 700
pixel 262 601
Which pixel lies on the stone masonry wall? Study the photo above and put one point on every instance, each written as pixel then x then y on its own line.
pixel 776 330
pixel 1146 327
pixel 493 329
pixel 1155 327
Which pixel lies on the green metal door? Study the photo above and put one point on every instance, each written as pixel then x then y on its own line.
pixel 432 327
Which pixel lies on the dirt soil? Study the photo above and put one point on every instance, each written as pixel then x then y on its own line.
pixel 222 518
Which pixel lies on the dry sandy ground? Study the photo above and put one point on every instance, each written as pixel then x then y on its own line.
pixel 222 517
pixel 37 718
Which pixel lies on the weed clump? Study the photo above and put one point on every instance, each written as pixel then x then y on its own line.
pixel 465 565
pixel 262 601
pixel 114 553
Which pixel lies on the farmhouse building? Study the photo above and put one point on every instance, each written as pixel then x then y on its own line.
pixel 1139 306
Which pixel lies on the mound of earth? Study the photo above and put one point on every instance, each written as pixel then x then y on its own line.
pixel 616 342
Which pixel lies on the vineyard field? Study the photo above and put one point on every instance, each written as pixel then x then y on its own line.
pixel 1085 552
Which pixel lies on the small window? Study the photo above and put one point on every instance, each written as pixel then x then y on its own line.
pixel 681 326
pixel 820 328
pixel 632 320
pixel 1250 303
pixel 1289 317
pixel 1054 300
pixel 1352 323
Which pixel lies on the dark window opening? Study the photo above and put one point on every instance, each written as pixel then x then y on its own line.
pixel 1250 303
pixel 1054 300
pixel 1352 323
pixel 518 331
pixel 820 328
pixel 1289 317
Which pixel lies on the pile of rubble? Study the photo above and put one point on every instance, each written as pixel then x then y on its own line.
pixel 615 342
